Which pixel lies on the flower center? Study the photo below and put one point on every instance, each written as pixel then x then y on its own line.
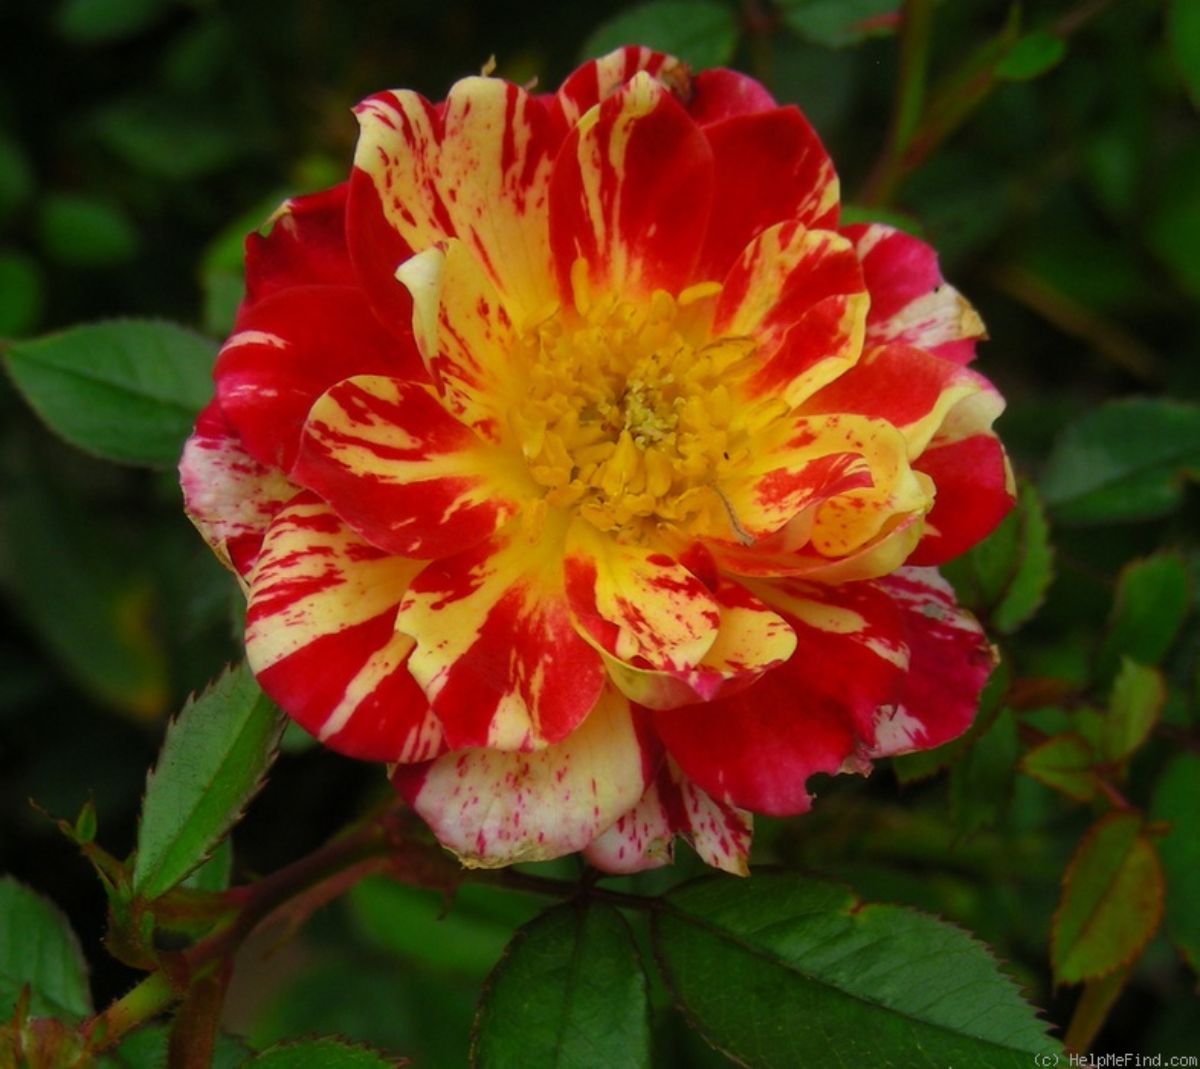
pixel 626 414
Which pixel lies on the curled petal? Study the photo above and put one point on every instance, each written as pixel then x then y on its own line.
pixel 910 301
pixel 289 348
pixel 800 295
pixel 637 604
pixel 497 651
pixel 751 640
pixel 630 195
pixel 228 495
pixel 950 660
pixel 494 808
pixel 402 471
pixel 321 637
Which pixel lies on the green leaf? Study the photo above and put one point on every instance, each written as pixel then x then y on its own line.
pixel 784 971
pixel 38 948
pixel 1031 56
pixel 214 874
pixel 1111 903
pixel 1152 601
pixel 700 32
pixel 1137 698
pixel 126 390
pixel 1005 577
pixel 416 924
pixel 1063 762
pixel 100 21
pixel 212 763
pixel 569 993
pixel 160 139
pixel 16 176
pixel 1177 801
pixel 1173 227
pixel 1126 460
pixel 1183 39
pixel 837 23
pixel 147 1049
pixel 83 231
pixel 320 1054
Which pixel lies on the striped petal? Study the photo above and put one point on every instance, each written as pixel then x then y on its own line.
pixel 637 604
pixel 910 301
pixel 228 495
pixel 497 651
pixel 911 389
pixel 396 165
pixel 800 294
pixel 304 244
pixel 289 348
pixel 494 178
pixel 643 838
pixel 321 637
pixel 851 471
pixel 751 640
pixel 770 168
pixel 630 194
pixel 598 79
pixel 757 749
pixel 463 333
pixel 403 472
pixel 494 808
pixel 950 662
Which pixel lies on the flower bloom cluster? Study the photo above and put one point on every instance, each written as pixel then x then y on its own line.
pixel 580 467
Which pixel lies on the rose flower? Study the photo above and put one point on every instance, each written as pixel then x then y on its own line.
pixel 579 466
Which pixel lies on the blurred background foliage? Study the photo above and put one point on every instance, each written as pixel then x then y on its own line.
pixel 140 140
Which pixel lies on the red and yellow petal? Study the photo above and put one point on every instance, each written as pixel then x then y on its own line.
pixel 289 348
pixel 228 495
pixel 910 301
pixel 950 660
pixel 598 79
pixel 396 163
pixel 756 750
pixel 751 640
pixel 498 145
pixel 402 471
pixel 636 603
pixel 800 294
pixel 770 168
pixel 304 244
pixel 464 333
pixel 630 194
pixel 321 637
pixel 497 651
pixel 851 471
pixel 911 389
pixel 494 808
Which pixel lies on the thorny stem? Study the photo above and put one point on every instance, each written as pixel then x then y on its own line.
pixel 386 843
pixel 920 123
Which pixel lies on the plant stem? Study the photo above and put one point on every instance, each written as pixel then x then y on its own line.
pixel 149 998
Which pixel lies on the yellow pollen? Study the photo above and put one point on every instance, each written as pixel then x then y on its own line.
pixel 626 415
